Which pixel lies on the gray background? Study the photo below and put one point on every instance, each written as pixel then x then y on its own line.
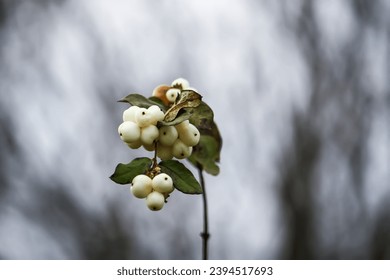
pixel 300 91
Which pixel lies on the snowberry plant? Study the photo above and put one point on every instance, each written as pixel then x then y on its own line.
pixel 174 124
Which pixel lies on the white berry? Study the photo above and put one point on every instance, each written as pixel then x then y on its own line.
pixel 162 183
pixel 129 132
pixel 183 126
pixel 191 136
pixel 172 94
pixel 168 135
pixel 155 201
pixel 143 117
pixel 156 113
pixel 141 186
pixel 181 150
pixel 149 134
pixel 181 82
pixel 129 114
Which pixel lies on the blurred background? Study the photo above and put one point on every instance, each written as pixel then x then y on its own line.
pixel 300 91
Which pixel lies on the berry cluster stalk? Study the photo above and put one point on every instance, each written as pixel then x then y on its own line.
pixel 205 234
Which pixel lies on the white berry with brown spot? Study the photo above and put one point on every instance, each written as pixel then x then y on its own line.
pixel 155 201
pixel 168 135
pixel 190 136
pixel 143 117
pixel 162 183
pixel 156 113
pixel 172 94
pixel 129 132
pixel 181 150
pixel 141 186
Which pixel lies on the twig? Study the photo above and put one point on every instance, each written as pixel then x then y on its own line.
pixel 205 234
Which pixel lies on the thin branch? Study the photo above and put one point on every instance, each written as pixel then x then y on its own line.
pixel 205 234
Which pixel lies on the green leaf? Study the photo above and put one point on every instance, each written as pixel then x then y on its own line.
pixel 139 100
pixel 206 154
pixel 125 173
pixel 214 132
pixel 183 179
pixel 202 117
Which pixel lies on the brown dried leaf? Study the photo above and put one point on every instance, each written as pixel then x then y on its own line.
pixel 188 99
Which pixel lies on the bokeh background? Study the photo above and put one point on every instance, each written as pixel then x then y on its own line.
pixel 301 94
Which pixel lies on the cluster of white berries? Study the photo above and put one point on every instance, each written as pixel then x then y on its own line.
pixel 139 128
pixel 155 190
pixel 177 141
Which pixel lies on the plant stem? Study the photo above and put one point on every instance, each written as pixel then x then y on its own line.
pixel 155 156
pixel 205 234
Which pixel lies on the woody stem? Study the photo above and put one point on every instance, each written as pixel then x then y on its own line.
pixel 205 234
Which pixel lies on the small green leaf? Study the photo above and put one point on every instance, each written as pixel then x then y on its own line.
pixel 125 173
pixel 139 100
pixel 206 154
pixel 183 179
